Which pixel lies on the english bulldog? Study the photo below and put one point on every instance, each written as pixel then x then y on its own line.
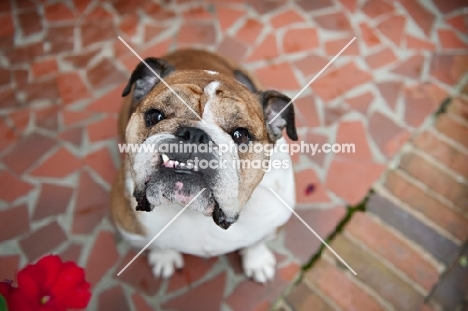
pixel 203 98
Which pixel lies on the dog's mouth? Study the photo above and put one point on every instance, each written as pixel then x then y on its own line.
pixel 179 167
pixel 178 181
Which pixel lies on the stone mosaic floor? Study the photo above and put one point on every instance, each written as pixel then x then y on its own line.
pixel 62 69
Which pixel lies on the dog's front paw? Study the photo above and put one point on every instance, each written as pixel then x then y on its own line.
pixel 164 262
pixel 258 263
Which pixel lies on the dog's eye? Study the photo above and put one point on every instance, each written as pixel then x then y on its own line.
pixel 153 116
pixel 240 136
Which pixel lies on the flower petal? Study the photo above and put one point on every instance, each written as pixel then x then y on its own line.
pixel 77 299
pixel 71 288
pixel 52 307
pixel 18 301
pixel 70 276
pixel 51 265
pixel 30 281
pixel 5 293
pixel 6 289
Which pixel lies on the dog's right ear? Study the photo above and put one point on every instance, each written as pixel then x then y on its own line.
pixel 145 79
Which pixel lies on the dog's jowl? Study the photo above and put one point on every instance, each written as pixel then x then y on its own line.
pixel 202 133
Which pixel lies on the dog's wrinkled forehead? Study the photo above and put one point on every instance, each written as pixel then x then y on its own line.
pixel 184 94
pixel 214 97
pixel 226 86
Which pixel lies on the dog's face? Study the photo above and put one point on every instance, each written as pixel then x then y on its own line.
pixel 198 144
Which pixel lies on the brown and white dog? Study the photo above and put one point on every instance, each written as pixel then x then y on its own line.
pixel 236 211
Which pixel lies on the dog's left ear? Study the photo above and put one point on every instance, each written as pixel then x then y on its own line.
pixel 273 102
pixel 145 79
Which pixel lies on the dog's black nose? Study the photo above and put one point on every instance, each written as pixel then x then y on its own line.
pixel 193 135
pixel 221 219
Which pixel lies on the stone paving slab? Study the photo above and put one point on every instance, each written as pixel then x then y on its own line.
pixel 62 69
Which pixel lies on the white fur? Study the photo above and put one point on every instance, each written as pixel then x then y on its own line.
pixel 258 262
pixel 144 162
pixel 165 261
pixel 227 191
pixel 211 72
pixel 196 234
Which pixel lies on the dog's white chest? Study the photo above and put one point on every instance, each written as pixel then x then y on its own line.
pixel 196 234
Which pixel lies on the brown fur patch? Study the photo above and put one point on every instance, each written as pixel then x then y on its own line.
pixel 121 212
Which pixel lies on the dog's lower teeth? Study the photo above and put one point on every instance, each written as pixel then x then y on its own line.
pixel 178 165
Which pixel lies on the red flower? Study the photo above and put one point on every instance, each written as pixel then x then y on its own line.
pixel 6 289
pixel 50 285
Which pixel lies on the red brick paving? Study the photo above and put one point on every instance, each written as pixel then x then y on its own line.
pixel 228 16
pixel 382 130
pixel 411 67
pixel 140 303
pixel 400 185
pixel 310 188
pixel 337 82
pixel 103 256
pixel 113 299
pixel 9 265
pixel 302 297
pixel 300 240
pixel 311 64
pixel 420 15
pixel 73 136
pixel 72 252
pixel 327 278
pixel 409 248
pixel 415 43
pixel 445 185
pixel 396 250
pixel 198 298
pixel 278 74
pixel 14 222
pixel 335 46
pixel 381 58
pixel 286 18
pixel 300 39
pixel 267 50
pixel 58 165
pixel 197 267
pixel 368 35
pixel 60 86
pixel 138 275
pixel 91 204
pixel 393 28
pixel 42 240
pixel 53 200
pixel 249 31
